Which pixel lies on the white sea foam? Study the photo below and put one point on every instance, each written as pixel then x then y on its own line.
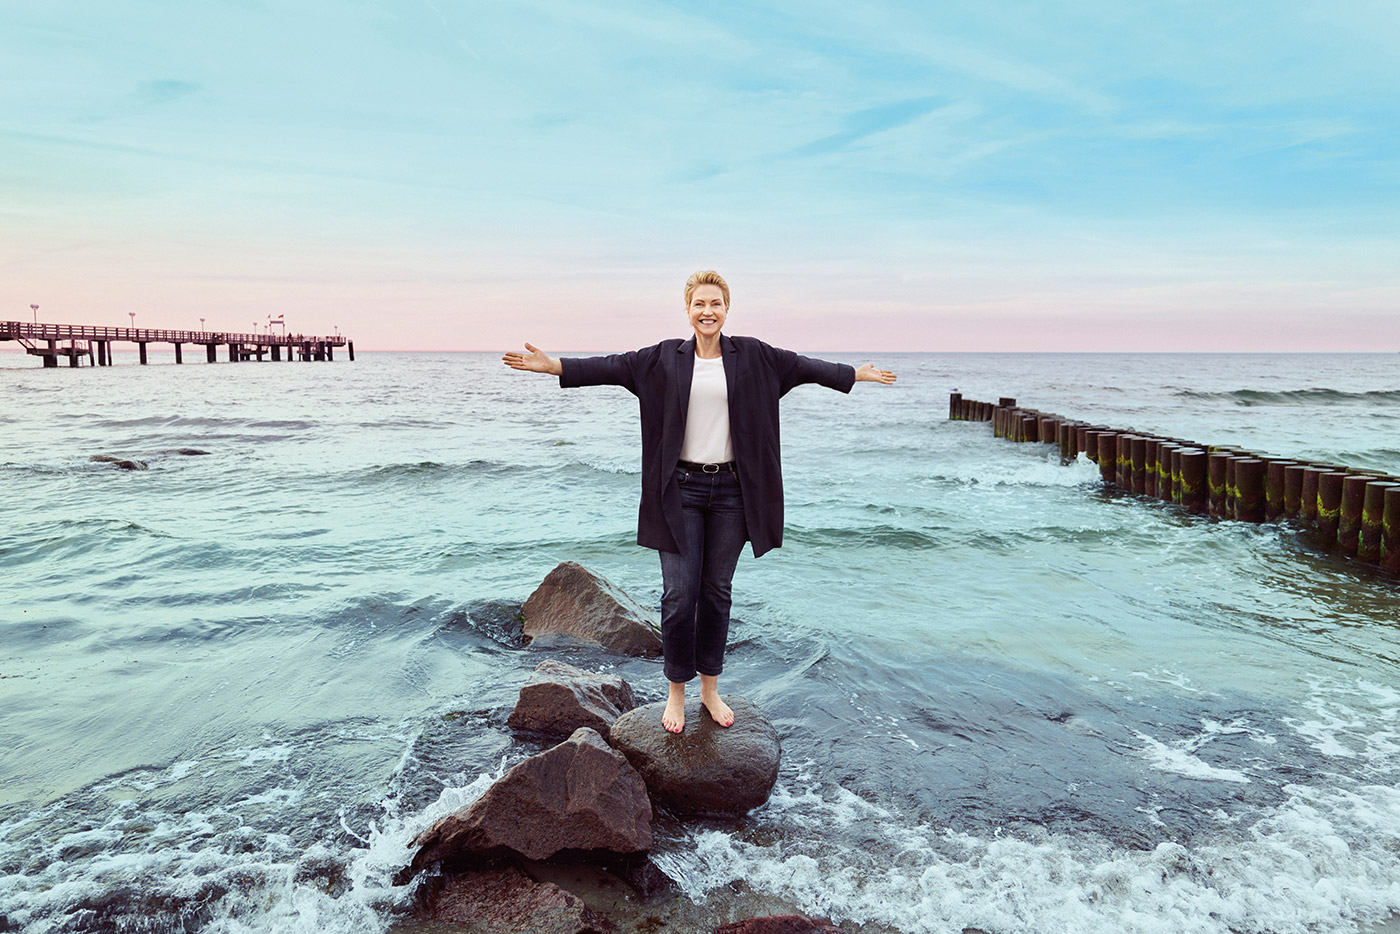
pixel 1317 862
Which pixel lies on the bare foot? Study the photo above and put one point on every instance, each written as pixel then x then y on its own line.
pixel 673 717
pixel 719 710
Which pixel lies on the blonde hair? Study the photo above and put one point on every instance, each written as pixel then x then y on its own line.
pixel 706 277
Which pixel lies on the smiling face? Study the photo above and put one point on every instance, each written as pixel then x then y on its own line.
pixel 707 311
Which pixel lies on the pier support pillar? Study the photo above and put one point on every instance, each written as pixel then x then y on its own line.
pixel 178 357
pixel 141 347
pixel 276 354
pixel 232 353
pixel 211 353
pixel 73 359
pixel 330 353
pixel 101 353
pixel 51 358
pixel 350 346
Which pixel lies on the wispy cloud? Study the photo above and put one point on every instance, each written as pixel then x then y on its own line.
pixel 862 123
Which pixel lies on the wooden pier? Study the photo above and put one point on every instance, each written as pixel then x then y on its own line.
pixel 76 341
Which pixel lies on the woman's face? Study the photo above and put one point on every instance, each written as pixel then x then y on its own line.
pixel 707 310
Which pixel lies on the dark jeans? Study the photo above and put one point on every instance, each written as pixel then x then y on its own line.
pixel 696 583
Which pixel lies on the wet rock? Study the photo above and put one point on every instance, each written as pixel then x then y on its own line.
pixel 118 462
pixel 190 452
pixel 579 795
pixel 778 924
pixel 506 901
pixel 575 602
pixel 706 770
pixel 560 698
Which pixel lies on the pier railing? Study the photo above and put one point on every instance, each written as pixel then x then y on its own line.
pixel 24 330
pixel 1345 509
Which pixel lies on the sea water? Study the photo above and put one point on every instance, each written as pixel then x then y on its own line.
pixel 235 685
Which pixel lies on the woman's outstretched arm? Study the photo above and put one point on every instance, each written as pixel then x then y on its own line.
pixel 536 361
pixel 867 373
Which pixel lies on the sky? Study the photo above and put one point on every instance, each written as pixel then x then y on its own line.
pixel 896 176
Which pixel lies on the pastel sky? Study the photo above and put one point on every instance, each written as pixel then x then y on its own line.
pixel 445 174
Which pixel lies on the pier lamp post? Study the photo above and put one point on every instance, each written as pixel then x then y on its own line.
pixel 201 325
pixel 35 309
pixel 133 319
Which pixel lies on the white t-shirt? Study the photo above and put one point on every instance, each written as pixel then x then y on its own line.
pixel 707 438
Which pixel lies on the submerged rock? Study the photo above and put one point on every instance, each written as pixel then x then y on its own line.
pixel 506 901
pixel 560 698
pixel 579 795
pixel 118 462
pixel 706 770
pixel 575 602
pixel 778 924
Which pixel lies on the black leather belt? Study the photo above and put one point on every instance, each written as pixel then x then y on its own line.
pixel 706 468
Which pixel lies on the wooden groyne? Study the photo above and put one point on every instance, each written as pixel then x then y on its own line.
pixel 76 341
pixel 1345 509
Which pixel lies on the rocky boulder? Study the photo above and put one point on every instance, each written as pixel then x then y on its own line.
pixel 778 924
pixel 579 795
pixel 706 770
pixel 506 901
pixel 573 601
pixel 560 698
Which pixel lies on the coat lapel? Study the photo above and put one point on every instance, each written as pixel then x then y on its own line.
pixel 685 372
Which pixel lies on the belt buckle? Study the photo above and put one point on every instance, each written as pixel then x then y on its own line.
pixel 707 468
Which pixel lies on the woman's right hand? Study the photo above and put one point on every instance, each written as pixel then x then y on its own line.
pixel 536 361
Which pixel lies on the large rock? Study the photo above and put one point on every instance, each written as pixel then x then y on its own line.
pixel 506 901
pixel 707 769
pixel 560 698
pixel 579 795
pixel 575 602
pixel 778 924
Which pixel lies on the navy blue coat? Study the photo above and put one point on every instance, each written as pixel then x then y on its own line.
pixel 757 375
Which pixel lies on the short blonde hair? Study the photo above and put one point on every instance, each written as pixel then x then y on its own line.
pixel 706 277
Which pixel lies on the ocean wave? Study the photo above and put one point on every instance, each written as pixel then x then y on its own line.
pixel 1313 396
pixel 1320 861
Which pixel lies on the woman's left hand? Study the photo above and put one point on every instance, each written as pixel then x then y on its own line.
pixel 869 374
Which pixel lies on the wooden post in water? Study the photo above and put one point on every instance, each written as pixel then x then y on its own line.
pixel 1108 456
pixel 1372 520
pixel 1216 482
pixel 1329 506
pixel 1390 531
pixel 1293 490
pixel 1123 462
pixel 1275 487
pixel 350 346
pixel 1312 488
pixel 1349 520
pixel 1193 480
pixel 1164 470
pixel 1139 465
pixel 1249 489
pixel 1149 466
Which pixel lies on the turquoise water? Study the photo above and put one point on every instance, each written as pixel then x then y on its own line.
pixel 235 685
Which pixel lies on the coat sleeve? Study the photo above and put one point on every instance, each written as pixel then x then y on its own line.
pixel 619 369
pixel 795 369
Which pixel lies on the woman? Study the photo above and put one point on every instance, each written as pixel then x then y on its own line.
pixel 711 475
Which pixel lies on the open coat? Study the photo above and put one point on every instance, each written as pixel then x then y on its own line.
pixel 757 375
